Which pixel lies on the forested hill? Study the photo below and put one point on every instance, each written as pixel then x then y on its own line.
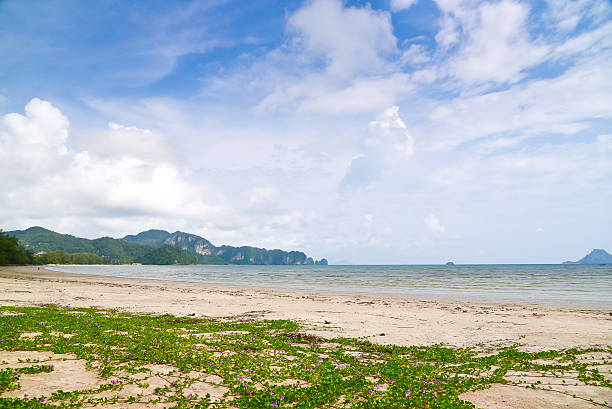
pixel 151 247
pixel 208 253
pixel 113 251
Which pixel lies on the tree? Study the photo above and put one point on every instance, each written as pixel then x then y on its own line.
pixel 11 252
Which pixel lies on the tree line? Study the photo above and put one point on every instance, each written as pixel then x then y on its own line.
pixel 11 252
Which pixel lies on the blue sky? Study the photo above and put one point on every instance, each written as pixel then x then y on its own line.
pixel 397 131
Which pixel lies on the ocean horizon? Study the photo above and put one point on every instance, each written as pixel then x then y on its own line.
pixel 546 284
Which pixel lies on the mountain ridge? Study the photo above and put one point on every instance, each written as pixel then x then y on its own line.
pixel 139 247
pixel 208 253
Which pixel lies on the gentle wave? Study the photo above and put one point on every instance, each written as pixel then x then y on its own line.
pixel 563 285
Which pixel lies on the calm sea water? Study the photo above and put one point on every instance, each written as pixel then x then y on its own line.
pixel 565 285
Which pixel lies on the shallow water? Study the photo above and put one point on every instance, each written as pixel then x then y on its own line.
pixel 563 285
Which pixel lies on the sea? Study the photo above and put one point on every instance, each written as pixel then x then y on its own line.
pixel 549 284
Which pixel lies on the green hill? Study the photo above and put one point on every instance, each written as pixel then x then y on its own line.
pixel 153 237
pixel 150 247
pixel 57 246
pixel 40 239
pixel 208 253
pixel 169 255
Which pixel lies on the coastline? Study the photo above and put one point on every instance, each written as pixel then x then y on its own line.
pixel 578 288
pixel 380 319
pixel 403 321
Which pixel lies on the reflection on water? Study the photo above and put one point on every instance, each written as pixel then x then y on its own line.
pixel 546 284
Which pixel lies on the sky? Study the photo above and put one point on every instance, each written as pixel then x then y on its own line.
pixel 382 132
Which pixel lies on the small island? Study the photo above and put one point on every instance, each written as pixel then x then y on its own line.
pixel 597 256
pixel 450 263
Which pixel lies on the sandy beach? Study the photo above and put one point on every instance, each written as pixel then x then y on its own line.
pixel 382 319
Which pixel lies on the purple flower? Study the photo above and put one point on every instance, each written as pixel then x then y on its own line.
pixel 371 392
pixel 407 393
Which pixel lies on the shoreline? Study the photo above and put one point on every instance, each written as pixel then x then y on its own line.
pixel 463 296
pixel 402 320
pixel 379 319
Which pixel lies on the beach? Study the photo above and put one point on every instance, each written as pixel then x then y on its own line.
pixel 381 319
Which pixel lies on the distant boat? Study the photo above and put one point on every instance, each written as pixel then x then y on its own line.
pixel 450 263
pixel 136 264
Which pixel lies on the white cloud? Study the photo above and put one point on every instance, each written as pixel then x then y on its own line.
pixel 449 32
pixel 42 125
pixel 387 142
pixel 433 224
pixel 349 40
pixel 338 60
pixel 258 195
pixel 497 47
pixel 392 131
pixel 590 43
pixel 415 54
pixel 120 140
pixel 43 179
pixel 564 104
pixel 361 96
pixel 398 5
pixel 567 14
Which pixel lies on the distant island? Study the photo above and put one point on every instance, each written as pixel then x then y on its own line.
pixel 148 247
pixel 450 263
pixel 597 256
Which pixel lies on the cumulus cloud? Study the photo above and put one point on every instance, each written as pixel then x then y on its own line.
pixel 387 142
pixel 44 179
pixel 42 125
pixel 356 57
pixel 392 131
